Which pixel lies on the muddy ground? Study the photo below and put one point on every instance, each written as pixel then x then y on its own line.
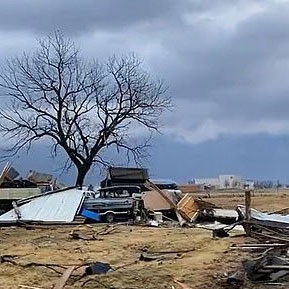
pixel 202 267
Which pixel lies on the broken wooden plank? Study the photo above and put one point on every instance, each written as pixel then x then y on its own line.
pixel 280 239
pixel 28 287
pixel 182 285
pixel 265 245
pixel 149 185
pixel 63 279
pixel 172 251
pixel 247 248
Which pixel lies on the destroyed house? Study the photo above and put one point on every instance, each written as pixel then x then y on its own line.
pixel 13 188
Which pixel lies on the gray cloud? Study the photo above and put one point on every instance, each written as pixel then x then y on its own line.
pixel 226 62
pixel 73 16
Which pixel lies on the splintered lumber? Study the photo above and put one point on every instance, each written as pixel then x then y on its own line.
pixel 28 287
pixel 148 184
pixel 280 239
pixel 188 208
pixel 151 186
pixel 172 251
pixel 182 285
pixel 266 245
pixel 247 248
pixel 63 279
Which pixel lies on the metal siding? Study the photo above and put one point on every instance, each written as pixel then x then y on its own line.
pixel 56 207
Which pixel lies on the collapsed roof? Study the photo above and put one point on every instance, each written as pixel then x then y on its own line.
pixel 57 206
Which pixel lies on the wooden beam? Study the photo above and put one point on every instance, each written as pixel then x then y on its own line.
pixel 248 211
pixel 63 279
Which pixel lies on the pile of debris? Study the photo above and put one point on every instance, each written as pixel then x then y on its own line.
pixel 269 262
pixel 13 187
pixel 187 209
pixel 132 197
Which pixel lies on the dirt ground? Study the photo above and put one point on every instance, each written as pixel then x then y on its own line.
pixel 202 267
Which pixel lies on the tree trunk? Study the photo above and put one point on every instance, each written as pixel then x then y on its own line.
pixel 81 174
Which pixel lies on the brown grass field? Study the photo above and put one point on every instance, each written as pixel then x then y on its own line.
pixel 203 267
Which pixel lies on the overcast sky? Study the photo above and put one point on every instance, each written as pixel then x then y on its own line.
pixel 226 63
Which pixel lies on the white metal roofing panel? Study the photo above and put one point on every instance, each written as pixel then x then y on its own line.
pixel 266 217
pixel 60 206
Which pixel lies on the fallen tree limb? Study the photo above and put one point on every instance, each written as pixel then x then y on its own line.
pixel 11 259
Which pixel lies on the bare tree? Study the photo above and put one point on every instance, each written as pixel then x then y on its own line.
pixel 83 108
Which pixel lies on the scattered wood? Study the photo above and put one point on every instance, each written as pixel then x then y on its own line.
pixel 257 246
pixel 106 230
pixel 280 239
pixel 151 257
pixel 63 279
pixel 76 236
pixel 28 287
pixel 172 251
pixel 151 186
pixel 261 245
pixel 284 211
pixel 247 248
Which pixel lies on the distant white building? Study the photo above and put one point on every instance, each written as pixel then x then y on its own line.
pixel 224 182
pixel 207 182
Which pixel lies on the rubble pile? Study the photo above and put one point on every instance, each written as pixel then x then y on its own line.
pixel 132 197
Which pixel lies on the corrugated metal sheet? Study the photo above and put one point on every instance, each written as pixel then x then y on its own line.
pixel 59 206
pixel 265 217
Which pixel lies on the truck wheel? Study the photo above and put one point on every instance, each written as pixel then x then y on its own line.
pixel 109 217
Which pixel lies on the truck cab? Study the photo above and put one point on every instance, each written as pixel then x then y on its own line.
pixel 116 202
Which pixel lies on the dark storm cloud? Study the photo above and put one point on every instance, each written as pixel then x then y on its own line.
pixel 74 16
pixel 229 78
pixel 226 62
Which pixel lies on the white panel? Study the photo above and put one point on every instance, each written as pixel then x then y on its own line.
pixel 266 217
pixel 52 207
